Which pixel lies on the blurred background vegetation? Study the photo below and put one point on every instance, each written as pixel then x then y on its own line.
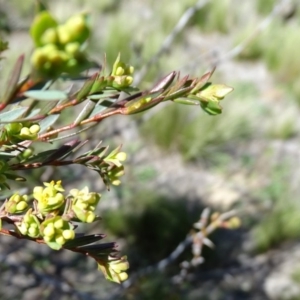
pixel 180 159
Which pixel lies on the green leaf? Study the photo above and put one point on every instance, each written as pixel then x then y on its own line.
pixel 61 152
pixel 54 245
pixel 40 156
pixel 12 83
pixel 40 24
pixel 47 122
pixel 187 101
pixel 140 105
pixel 99 108
pixel 85 90
pixel 212 107
pixel 4 186
pixel 12 115
pixel 218 91
pixel 164 83
pixel 14 177
pixel 104 94
pixel 202 81
pixel 46 95
pixel 32 113
pixel 48 107
pixel 85 112
pixel 98 247
pixel 178 93
pixel 5 155
pixel 84 240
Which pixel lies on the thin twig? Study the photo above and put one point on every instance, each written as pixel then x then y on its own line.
pixel 161 266
pixel 260 28
pixel 167 43
pixel 235 51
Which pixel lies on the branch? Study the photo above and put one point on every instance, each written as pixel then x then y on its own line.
pixel 235 51
pixel 277 9
pixel 167 43
pixel 201 236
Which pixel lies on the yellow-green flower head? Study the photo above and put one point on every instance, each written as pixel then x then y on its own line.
pixel 16 203
pixel 56 232
pixel 114 175
pixel 115 268
pixel 49 198
pixel 115 157
pixel 30 225
pixel 84 204
pixel 29 133
pixel 22 132
pixel 122 73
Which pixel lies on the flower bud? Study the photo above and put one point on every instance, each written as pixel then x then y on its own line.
pixel 68 234
pixel 49 230
pixel 60 240
pixel 90 217
pixel 34 129
pixel 49 36
pixel 25 132
pixel 72 48
pixel 38 58
pixel 14 128
pixel 59 223
pixel 64 34
pixel 22 205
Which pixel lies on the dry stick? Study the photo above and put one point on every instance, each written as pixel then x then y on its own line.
pixel 261 27
pixel 167 43
pixel 242 46
pixel 161 266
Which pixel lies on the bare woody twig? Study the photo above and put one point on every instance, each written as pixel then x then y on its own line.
pixel 235 51
pixel 276 11
pixel 201 236
pixel 167 43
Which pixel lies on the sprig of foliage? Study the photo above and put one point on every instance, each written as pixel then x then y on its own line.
pixel 29 113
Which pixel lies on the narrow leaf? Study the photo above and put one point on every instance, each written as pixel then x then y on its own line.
pixel 84 240
pixel 186 101
pixel 47 122
pixel 98 247
pixel 12 83
pixel 61 151
pixel 164 82
pixel 46 95
pixel 85 112
pixel 14 177
pixel 99 108
pixel 85 90
pixel 12 115
pixel 178 93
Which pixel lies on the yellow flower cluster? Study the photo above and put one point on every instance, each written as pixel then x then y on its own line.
pixel 56 231
pixel 59 46
pixel 49 198
pixel 115 269
pixel 84 204
pixel 16 203
pixel 22 131
pixel 115 158
pixel 30 225
pixel 122 73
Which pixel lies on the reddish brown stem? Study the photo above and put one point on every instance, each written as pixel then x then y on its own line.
pixel 96 118
pixel 63 106
pixel 19 236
